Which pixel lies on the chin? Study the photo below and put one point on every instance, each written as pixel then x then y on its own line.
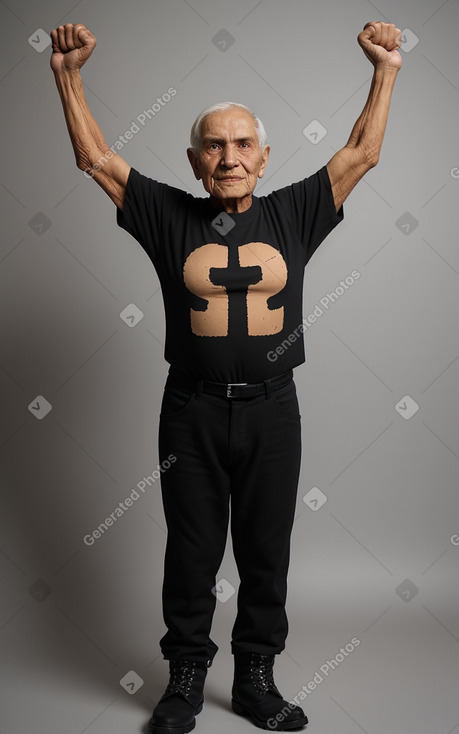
pixel 235 190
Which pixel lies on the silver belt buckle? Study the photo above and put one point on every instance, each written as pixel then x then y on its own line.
pixel 233 384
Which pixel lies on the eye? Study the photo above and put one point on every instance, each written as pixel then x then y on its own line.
pixel 214 146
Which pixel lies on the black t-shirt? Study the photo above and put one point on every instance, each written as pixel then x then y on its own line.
pixel 232 284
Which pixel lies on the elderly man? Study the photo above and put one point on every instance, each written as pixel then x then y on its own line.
pixel 231 269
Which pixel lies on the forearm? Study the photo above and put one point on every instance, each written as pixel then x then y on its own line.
pixel 85 134
pixel 368 131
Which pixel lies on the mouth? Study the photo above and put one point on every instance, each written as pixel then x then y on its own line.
pixel 230 179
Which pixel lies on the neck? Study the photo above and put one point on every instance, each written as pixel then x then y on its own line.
pixel 232 206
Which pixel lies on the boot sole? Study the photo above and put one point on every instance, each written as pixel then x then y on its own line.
pixel 182 729
pixel 286 726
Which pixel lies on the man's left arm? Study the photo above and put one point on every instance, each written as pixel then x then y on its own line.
pixel 380 43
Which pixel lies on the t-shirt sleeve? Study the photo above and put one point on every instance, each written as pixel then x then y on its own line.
pixel 142 212
pixel 311 208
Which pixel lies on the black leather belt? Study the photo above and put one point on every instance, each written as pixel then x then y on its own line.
pixel 230 389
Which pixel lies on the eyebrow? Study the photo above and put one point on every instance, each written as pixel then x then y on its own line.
pixel 212 139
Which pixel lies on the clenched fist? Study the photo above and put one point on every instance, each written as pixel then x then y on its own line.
pixel 380 43
pixel 73 44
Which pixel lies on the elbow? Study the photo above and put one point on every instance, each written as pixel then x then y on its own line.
pixel 82 165
pixel 366 152
pixel 368 159
pixel 92 162
pixel 82 162
pixel 372 161
pixel 370 155
pixel 86 167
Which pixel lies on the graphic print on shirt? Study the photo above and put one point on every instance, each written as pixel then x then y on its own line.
pixel 233 285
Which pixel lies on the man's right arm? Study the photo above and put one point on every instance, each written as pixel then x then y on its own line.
pixel 72 46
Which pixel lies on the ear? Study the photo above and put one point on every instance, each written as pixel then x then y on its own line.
pixel 264 162
pixel 194 161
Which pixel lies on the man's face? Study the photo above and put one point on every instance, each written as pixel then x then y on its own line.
pixel 230 160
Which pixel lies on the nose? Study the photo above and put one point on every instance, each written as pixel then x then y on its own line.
pixel 229 157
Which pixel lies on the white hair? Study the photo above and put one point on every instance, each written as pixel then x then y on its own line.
pixel 196 130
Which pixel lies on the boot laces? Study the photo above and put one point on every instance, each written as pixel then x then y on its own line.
pixel 261 671
pixel 181 676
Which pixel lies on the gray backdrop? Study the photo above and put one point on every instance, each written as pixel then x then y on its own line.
pixel 373 583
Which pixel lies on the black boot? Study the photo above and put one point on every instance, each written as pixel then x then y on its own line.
pixel 182 700
pixel 256 696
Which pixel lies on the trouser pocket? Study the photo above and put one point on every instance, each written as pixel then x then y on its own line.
pixel 175 401
pixel 286 401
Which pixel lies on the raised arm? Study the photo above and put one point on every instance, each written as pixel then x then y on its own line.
pixel 380 43
pixel 72 47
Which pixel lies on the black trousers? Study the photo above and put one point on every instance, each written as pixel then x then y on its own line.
pixel 242 453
